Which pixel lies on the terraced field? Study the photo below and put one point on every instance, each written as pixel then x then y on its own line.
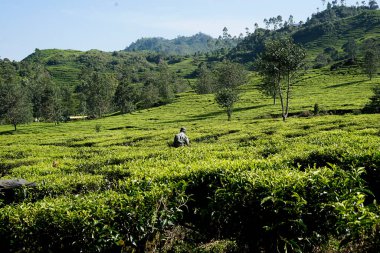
pixel 254 184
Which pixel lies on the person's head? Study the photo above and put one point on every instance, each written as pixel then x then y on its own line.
pixel 183 130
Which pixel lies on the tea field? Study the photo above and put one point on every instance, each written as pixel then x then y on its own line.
pixel 252 184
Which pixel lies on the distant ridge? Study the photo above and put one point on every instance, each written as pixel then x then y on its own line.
pixel 182 45
pixel 331 28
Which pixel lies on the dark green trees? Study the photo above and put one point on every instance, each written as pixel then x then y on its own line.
pixel 224 80
pixel 97 90
pixel 279 64
pixel 166 82
pixel 370 64
pixel 370 51
pixel 229 77
pixel 226 98
pixel 373 5
pixel 350 48
pixel 15 105
pixel 206 82
pixel 126 96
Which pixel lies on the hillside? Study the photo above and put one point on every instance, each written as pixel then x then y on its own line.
pixel 316 35
pixel 334 34
pixel 252 183
pixel 65 65
pixel 198 43
pixel 327 29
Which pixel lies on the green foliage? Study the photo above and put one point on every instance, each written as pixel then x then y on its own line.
pixel 251 185
pixel 321 60
pixel 280 63
pixel 126 96
pixel 15 105
pixel 351 48
pixel 229 77
pixel 371 56
pixel 329 28
pixel 97 91
pixel 94 223
pixel 198 43
pixel 292 210
pixel 226 98
pixel 358 223
pixel 206 82
pixel 373 5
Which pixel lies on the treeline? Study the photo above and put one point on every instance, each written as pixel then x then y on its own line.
pixel 51 85
pixel 280 63
pixel 197 44
pixel 328 27
pixel 29 93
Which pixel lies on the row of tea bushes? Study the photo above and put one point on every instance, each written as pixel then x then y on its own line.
pixel 97 222
pixel 285 210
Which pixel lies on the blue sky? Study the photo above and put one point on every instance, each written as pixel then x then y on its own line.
pixel 111 25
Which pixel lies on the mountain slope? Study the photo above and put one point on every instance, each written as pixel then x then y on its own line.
pixel 198 43
pixel 334 34
pixel 318 33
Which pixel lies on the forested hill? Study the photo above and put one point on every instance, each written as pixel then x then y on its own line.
pixel 198 43
pixel 145 78
pixel 328 30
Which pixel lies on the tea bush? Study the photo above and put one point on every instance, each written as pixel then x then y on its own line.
pixel 98 222
pixel 253 184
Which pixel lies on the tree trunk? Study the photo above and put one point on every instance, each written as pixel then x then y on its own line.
pixel 15 125
pixel 282 101
pixel 229 114
pixel 287 97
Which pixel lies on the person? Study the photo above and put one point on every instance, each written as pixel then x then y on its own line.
pixel 181 138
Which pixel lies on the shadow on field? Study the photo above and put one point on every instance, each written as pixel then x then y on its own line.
pixel 214 114
pixel 344 84
pixel 7 132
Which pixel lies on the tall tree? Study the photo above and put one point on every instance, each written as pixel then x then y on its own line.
pixel 39 84
pixel 351 48
pixel 281 61
pixel 8 72
pixel 373 5
pixel 206 81
pixel 15 105
pixel 226 98
pixel 370 64
pixel 165 82
pixel 126 96
pixel 268 87
pixel 97 90
pixel 229 77
pixel 52 107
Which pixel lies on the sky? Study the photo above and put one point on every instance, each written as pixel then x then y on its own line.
pixel 112 25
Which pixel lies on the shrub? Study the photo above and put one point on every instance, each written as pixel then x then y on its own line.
pixel 316 109
pixel 98 128
pixel 269 210
pixel 105 222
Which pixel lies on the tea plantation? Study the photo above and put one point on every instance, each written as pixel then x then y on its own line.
pixel 252 184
